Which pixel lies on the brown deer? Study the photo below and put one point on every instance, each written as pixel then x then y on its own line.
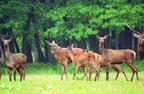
pixel 86 59
pixel 111 57
pixel 61 56
pixel 14 61
pixel 140 38
pixel 102 63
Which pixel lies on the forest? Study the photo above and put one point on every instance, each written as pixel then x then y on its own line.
pixel 31 22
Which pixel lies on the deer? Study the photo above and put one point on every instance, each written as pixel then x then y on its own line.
pixel 140 38
pixel 115 57
pixel 61 56
pixel 102 63
pixel 15 62
pixel 88 59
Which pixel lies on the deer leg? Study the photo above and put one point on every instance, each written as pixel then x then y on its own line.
pixel 97 68
pixel 62 72
pixel 107 71
pixel 65 69
pixel 20 73
pixel 85 72
pixel 90 73
pixel 115 67
pixel 124 75
pixel 118 70
pixel 97 75
pixel 134 69
pixel 23 74
pixel 14 70
pixel 10 74
pixel 75 71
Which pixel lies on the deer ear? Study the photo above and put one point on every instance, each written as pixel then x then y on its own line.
pixel 106 36
pixel 10 39
pixel 97 37
pixel 72 45
pixel 136 35
pixel 2 39
pixel 49 43
pixel 53 42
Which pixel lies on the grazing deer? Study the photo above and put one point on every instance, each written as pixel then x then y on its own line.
pixel 86 59
pixel 140 38
pixel 61 56
pixel 111 57
pixel 14 61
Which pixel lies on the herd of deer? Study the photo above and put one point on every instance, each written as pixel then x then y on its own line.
pixel 89 60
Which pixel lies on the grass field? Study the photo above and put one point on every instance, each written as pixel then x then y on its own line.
pixel 43 79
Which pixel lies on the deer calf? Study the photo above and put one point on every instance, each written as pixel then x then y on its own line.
pixel 14 61
pixel 86 59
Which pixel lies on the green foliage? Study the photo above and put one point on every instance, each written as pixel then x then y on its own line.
pixel 80 18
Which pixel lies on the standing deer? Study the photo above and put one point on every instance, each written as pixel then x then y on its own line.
pixel 86 59
pixel 102 63
pixel 14 61
pixel 140 38
pixel 111 57
pixel 61 56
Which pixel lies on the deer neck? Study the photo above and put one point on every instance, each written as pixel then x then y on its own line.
pixel 71 55
pixel 101 49
pixel 7 53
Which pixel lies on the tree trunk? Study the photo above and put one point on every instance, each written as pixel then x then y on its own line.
pixel 45 44
pixel 93 43
pixel 17 50
pixel 2 54
pixel 26 46
pixel 64 2
pixel 82 43
pixel 117 40
pixel 40 55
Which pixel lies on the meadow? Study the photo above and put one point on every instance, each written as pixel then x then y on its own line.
pixel 45 79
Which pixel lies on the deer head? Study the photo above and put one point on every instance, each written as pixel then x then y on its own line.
pixel 101 39
pixel 6 42
pixel 137 35
pixel 53 45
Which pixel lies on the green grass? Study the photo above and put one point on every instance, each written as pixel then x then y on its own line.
pixel 44 79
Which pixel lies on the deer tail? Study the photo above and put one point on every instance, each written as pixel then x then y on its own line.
pixel 134 55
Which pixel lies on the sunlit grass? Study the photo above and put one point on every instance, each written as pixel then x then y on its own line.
pixel 44 79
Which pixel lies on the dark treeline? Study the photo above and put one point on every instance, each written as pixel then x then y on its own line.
pixel 32 22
